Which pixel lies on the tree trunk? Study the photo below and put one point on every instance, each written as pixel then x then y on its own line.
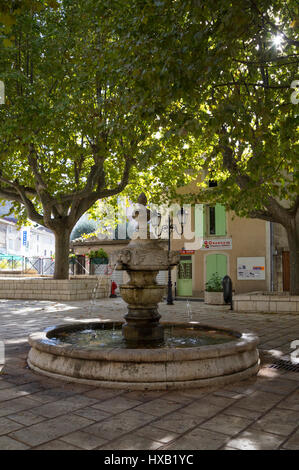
pixel 62 244
pixel 293 239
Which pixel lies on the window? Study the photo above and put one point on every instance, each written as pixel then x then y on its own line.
pixel 216 220
pixel 212 220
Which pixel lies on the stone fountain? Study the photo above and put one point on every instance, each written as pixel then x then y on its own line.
pixel 143 259
pixel 143 353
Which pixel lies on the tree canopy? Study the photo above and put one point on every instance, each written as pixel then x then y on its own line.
pixel 103 96
pixel 74 128
pixel 229 70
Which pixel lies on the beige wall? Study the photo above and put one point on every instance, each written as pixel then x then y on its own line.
pixel 249 238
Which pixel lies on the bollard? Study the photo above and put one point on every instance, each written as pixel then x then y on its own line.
pixel 227 291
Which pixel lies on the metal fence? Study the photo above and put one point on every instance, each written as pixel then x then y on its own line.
pixel 35 265
pixel 44 266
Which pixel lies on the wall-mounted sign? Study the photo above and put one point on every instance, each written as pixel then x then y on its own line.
pixel 187 252
pixel 24 237
pixel 251 269
pixel 217 244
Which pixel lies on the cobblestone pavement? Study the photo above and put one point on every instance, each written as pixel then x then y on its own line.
pixel 42 413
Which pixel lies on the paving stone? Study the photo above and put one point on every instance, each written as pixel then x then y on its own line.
pixel 103 393
pixel 228 448
pixel 187 419
pixel 7 443
pixel 158 407
pixel 291 402
pixel 178 422
pixel 92 413
pixel 234 410
pixel 259 401
pixel 132 442
pixel 13 392
pixel 280 386
pixel 255 440
pixel 144 396
pixel 60 407
pixel 229 394
pixel 157 434
pixel 278 421
pixel 293 442
pixel 226 424
pixel 117 404
pixel 4 384
pixel 84 440
pixel 57 445
pixel 7 425
pixel 52 394
pixel 201 408
pixel 178 397
pixel 117 425
pixel 198 439
pixel 16 405
pixel 51 429
pixel 26 418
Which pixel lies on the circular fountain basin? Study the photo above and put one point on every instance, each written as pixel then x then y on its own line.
pixel 192 355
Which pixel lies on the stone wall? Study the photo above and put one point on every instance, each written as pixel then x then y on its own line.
pixel 275 302
pixel 76 288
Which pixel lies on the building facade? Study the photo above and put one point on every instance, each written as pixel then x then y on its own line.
pixel 225 244
pixel 28 241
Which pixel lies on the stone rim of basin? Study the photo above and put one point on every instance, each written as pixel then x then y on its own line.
pixel 242 342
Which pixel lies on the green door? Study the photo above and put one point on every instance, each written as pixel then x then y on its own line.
pixel 184 281
pixel 216 264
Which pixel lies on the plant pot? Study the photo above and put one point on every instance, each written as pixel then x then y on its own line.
pixel 214 298
pixel 99 260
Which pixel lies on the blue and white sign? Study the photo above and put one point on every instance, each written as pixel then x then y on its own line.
pixel 24 237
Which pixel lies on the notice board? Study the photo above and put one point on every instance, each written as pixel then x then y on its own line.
pixel 251 269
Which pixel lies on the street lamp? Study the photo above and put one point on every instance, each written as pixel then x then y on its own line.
pixel 155 221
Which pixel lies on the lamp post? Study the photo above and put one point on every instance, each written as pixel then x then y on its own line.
pixel 155 220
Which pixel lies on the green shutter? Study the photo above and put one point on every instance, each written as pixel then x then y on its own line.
pixel 216 263
pixel 211 266
pixel 220 220
pixel 221 265
pixel 200 220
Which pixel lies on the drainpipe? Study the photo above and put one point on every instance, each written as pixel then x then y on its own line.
pixel 271 257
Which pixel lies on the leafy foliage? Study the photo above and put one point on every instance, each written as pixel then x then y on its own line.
pixel 97 254
pixel 214 284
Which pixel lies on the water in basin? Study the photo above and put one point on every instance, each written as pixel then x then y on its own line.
pixel 95 338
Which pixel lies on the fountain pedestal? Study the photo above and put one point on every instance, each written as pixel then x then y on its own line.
pixel 143 259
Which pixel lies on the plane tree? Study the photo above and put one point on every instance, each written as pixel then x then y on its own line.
pixel 231 68
pixel 72 129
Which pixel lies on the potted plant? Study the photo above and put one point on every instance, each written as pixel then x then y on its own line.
pixel 98 256
pixel 72 258
pixel 214 290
